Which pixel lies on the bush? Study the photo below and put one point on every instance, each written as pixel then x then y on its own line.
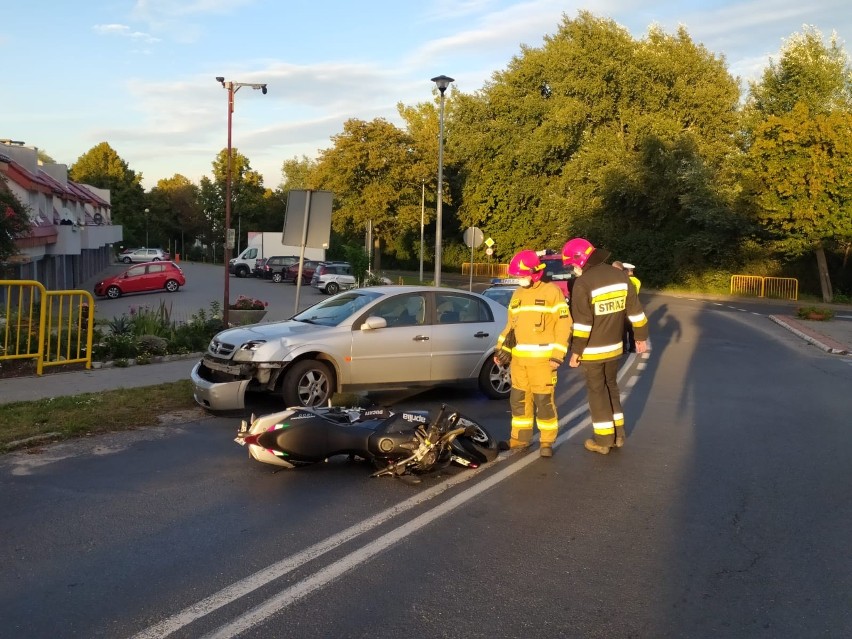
pixel 147 333
pixel 153 345
pixel 814 313
pixel 119 347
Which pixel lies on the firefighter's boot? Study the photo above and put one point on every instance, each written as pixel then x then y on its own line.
pixel 594 447
pixel 512 444
pixel 546 450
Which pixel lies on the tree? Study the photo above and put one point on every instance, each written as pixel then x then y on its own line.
pixel 14 221
pixel 175 212
pixel 102 167
pixel 296 173
pixel 248 207
pixel 800 183
pixel 567 140
pixel 798 154
pixel 371 171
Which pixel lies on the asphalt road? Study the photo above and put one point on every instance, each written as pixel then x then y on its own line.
pixel 726 515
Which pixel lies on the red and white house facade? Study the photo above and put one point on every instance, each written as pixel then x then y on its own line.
pixel 72 233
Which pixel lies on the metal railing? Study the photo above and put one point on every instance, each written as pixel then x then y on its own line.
pixel 54 328
pixel 485 269
pixel 785 288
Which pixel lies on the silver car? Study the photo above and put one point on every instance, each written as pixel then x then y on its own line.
pixel 144 255
pixel 382 337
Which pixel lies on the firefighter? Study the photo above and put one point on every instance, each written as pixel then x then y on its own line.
pixel 630 337
pixel 541 323
pixel 601 300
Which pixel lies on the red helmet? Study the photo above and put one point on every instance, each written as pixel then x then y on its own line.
pixel 527 264
pixel 576 252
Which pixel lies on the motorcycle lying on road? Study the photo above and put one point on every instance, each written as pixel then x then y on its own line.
pixel 407 443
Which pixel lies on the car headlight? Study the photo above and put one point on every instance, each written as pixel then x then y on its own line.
pixel 253 345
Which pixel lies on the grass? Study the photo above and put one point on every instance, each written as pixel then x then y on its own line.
pixel 90 413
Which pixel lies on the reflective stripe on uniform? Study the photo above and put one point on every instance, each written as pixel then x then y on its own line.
pixel 609 291
pixel 536 309
pixel 591 351
pixel 603 428
pixel 533 351
pixel 638 320
pixel 618 418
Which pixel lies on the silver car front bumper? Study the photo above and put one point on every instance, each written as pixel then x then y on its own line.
pixel 218 395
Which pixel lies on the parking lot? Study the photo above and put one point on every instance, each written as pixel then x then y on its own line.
pixel 205 284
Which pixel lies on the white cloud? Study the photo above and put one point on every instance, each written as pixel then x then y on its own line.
pixel 122 30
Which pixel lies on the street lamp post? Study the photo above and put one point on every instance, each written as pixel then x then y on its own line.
pixel 442 82
pixel 232 88
pixel 422 213
pixel 146 229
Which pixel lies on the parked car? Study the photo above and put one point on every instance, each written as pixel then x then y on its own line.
pixel 558 273
pixel 308 268
pixel 502 287
pixel 333 277
pixel 144 255
pixel 380 337
pixel 500 293
pixel 151 276
pixel 276 266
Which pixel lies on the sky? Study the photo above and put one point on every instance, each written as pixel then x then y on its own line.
pixel 140 74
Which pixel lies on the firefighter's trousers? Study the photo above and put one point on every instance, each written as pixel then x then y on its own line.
pixel 604 400
pixel 531 400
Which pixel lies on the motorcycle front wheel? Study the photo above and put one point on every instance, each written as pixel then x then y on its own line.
pixel 479 447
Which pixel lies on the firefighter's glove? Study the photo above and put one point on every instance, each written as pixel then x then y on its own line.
pixel 504 358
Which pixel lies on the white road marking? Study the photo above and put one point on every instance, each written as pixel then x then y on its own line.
pixel 325 575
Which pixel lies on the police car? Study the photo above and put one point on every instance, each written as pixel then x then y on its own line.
pixel 501 288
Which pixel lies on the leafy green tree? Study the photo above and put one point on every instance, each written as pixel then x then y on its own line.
pixel 14 221
pixel 809 71
pixel 211 199
pixel 296 173
pixel 102 167
pixel 248 207
pixel 800 183
pixel 798 154
pixel 370 170
pixel 567 140
pixel 175 213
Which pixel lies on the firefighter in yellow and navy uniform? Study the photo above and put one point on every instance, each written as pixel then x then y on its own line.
pixel 602 299
pixel 539 315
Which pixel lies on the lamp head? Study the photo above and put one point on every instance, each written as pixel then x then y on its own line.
pixel 443 82
pixel 220 79
pixel 263 89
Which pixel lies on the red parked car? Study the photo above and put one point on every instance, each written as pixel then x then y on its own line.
pixel 291 273
pixel 151 276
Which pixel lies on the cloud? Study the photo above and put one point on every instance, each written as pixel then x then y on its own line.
pixel 122 30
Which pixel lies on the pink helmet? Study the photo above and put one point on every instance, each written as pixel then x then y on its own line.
pixel 527 264
pixel 576 252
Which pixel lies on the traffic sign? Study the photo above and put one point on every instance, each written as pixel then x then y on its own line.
pixel 489 243
pixel 489 251
pixel 473 237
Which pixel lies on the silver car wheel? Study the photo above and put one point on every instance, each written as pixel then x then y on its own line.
pixel 495 380
pixel 308 383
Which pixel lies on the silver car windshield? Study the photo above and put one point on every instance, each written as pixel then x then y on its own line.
pixel 335 310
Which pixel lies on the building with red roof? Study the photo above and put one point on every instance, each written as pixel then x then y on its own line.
pixel 72 234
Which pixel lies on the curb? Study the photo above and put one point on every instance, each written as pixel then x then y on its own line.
pixel 808 338
pixel 157 359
